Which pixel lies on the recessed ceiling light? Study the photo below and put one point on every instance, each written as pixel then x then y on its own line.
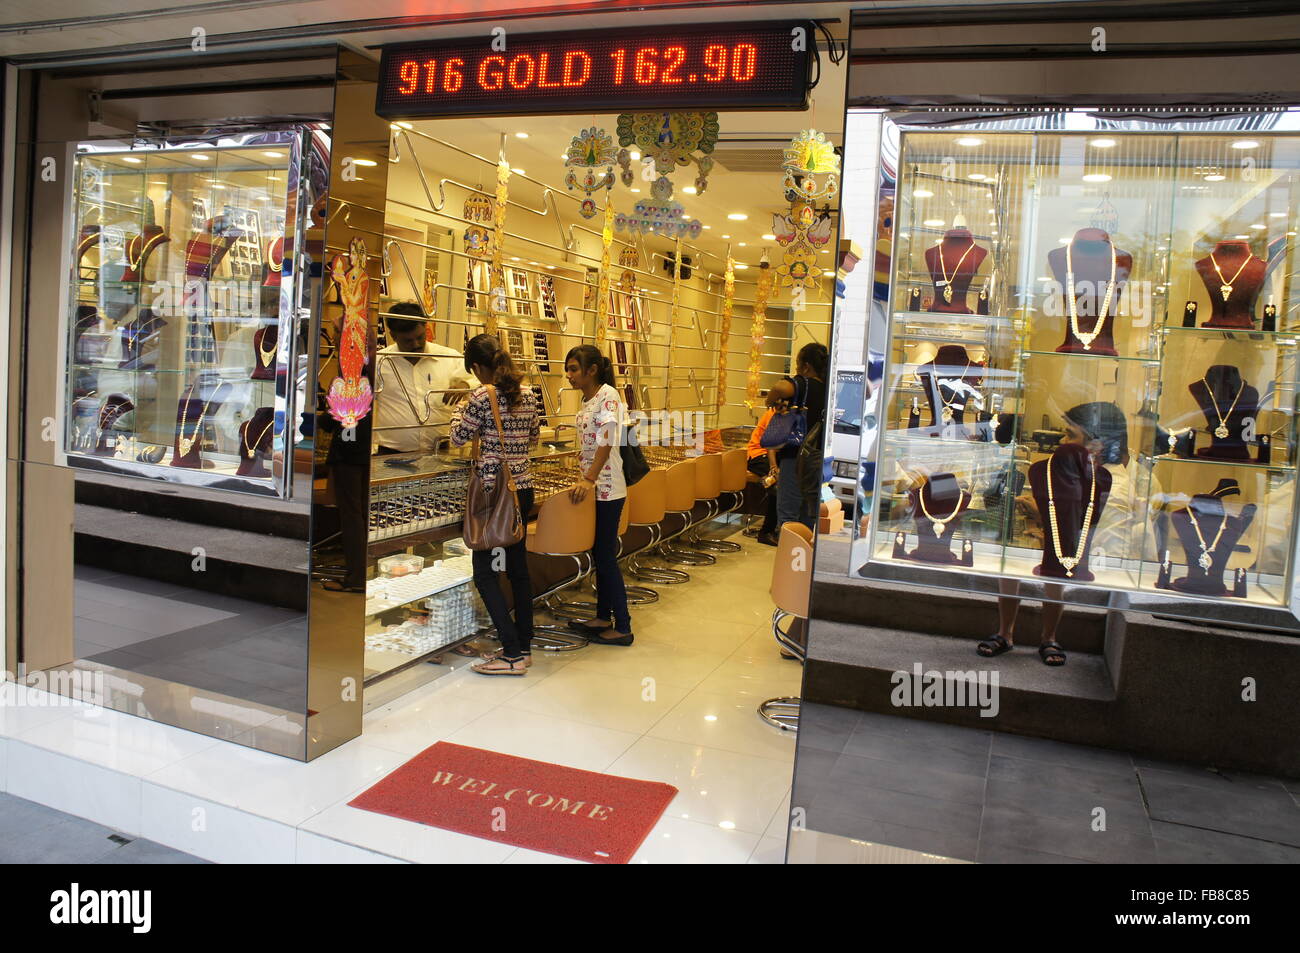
pixel 365 162
pixel 1277 214
pixel 970 142
pixel 521 135
pixel 638 191
pixel 1245 144
pixel 977 176
pixel 634 156
pixel 742 244
pixel 132 159
pixel 923 194
pixel 708 226
pixel 934 222
pixel 1258 226
pixel 1096 177
pixel 274 155
pixel 826 251
pixel 690 190
pixel 769 237
pixel 738 216
pixel 550 267
pixel 1102 143
pixel 1291 233
pixel 1215 178
pixel 1241 238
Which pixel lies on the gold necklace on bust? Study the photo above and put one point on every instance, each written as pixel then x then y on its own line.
pixel 251 448
pixel 1206 559
pixel 939 524
pixel 1069 562
pixel 1103 313
pixel 947 413
pixel 265 357
pixel 1221 431
pixel 1225 288
pixel 946 283
pixel 187 443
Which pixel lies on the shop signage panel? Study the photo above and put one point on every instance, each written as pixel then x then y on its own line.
pixel 696 67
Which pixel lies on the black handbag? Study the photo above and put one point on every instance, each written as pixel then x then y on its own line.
pixel 634 461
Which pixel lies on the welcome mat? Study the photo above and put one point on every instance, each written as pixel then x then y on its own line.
pixel 547 807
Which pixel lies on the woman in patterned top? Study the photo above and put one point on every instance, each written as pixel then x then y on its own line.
pixel 491 364
pixel 600 424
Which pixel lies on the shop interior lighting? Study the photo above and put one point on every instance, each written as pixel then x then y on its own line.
pixel 518 171
pixel 1096 177
pixel 1241 238
pixel 690 189
pixel 742 244
pixel 199 156
pixel 738 216
pixel 521 135
pixel 708 226
pixel 1102 143
pixel 132 159
pixel 977 176
pixel 923 194
pixel 1245 144
pixel 638 191
pixel 274 155
pixel 1215 177
pixel 970 142
pixel 740 267
pixel 634 156
pixel 364 162
pixel 934 222
pixel 768 238
pixel 726 236
pixel 1258 226
pixel 1277 214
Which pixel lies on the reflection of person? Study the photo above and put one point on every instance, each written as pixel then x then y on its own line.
pixel 427 375
pixel 793 505
pixel 488 361
pixel 761 462
pixel 1102 428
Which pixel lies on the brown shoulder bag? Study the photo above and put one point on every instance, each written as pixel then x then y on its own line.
pixel 492 517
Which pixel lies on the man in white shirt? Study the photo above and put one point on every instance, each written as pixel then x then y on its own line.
pixel 417 382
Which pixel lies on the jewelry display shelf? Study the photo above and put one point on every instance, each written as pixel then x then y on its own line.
pixel 1152 360
pixel 1211 462
pixel 1244 335
pixel 384 594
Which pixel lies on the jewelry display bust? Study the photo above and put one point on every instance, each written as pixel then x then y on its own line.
pixel 1091 273
pixel 1227 402
pixel 1076 492
pixel 937 507
pixel 191 413
pixel 1233 277
pixel 951 382
pixel 256 439
pixel 115 407
pixel 1209 532
pixel 265 344
pixel 953 264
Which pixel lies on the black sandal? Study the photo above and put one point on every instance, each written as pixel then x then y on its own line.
pixel 1051 653
pixel 994 646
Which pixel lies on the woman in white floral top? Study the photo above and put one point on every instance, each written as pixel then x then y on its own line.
pixel 520 427
pixel 600 428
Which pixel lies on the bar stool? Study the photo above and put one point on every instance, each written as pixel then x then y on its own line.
pixel 645 507
pixel 562 528
pixel 581 609
pixel 732 477
pixel 791 583
pixel 680 501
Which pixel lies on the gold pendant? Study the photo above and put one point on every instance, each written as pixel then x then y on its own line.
pixel 1225 290
pixel 186 444
pixel 1204 560
pixel 947 292
pixel 946 415
pixel 1068 563
pixel 938 527
pixel 251 453
pixel 1221 432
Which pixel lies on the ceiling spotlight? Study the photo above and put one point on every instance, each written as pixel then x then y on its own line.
pixel 690 190
pixel 521 135
pixel 742 244
pixel 725 236
pixel 1102 143
pixel 768 238
pixel 1258 226
pixel 1245 144
pixel 970 142
pixel 740 267
pixel 738 216
pixel 1241 238
pixel 637 191
pixel 634 156
pixel 1277 214
pixel 923 194
pixel 199 156
pixel 1096 177
pixel 708 226
pixel 132 159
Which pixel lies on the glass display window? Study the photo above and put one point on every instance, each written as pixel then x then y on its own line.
pixel 1091 364
pixel 182 310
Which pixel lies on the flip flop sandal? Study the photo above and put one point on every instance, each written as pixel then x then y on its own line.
pixel 493 656
pixel 516 668
pixel 994 646
pixel 1051 653
pixel 468 651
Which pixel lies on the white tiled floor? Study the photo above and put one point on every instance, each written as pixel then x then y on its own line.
pixel 677 707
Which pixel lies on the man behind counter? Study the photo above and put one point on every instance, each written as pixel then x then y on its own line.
pixel 415 393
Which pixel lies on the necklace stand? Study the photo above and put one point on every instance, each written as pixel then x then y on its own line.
pixel 115 406
pixel 1090 253
pixel 1226 383
pixel 950 380
pixel 1210 516
pixel 1072 474
pixel 260 429
pixel 265 342
pixel 947 257
pixel 1238 311
pixel 191 414
pixel 942 495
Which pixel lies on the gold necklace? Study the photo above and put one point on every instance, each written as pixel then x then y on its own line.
pixel 1069 562
pixel 946 414
pixel 1221 431
pixel 265 356
pixel 251 450
pixel 946 284
pixel 1225 288
pixel 186 443
pixel 939 526
pixel 1087 339
pixel 1205 560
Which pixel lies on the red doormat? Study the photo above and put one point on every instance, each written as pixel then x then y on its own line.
pixel 580 814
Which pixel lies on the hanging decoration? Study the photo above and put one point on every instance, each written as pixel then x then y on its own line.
pixel 669 140
pixel 602 282
pixel 349 396
pixel 672 317
pixel 758 331
pixel 724 335
pixel 428 295
pixel 590 150
pixel 807 156
pixel 802 232
pixel 658 218
pixel 497 294
pixel 479 211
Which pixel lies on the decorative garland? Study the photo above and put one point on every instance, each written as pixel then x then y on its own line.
pixel 728 296
pixel 497 294
pixel 602 282
pixel 672 320
pixel 758 332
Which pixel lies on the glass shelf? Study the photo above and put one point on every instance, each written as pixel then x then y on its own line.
pixel 1208 461
pixel 1152 361
pixel 1237 334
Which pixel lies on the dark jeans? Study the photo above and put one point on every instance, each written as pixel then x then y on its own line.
pixel 517 636
pixel 760 467
pixel 611 592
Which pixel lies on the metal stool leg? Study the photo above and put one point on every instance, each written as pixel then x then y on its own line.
pixel 783 711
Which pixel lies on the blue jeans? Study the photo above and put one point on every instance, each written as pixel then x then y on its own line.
pixel 611 593
pixel 791 507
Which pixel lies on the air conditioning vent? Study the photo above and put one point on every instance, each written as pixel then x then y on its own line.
pixel 750 156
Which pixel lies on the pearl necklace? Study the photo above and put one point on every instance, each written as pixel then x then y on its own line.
pixel 1069 562
pixel 939 525
pixel 1205 560
pixel 1086 339
pixel 1221 431
pixel 946 283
